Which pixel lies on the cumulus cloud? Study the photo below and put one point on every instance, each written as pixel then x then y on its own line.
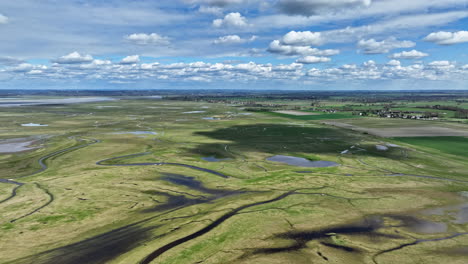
pixel 412 54
pixel 35 72
pixel 130 59
pixel 314 7
pixel 447 38
pixel 147 39
pixel 74 58
pixel 440 65
pixel 312 59
pixel 23 67
pixel 26 68
pixel 241 72
pixel 233 39
pixel 289 50
pixel 298 43
pixel 394 63
pixel 371 46
pixel 102 62
pixel 393 70
pixel 95 64
pixel 302 38
pixel 3 19
pixel 293 67
pixel 231 20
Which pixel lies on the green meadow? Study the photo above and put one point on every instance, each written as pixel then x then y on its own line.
pixel 457 146
pixel 166 181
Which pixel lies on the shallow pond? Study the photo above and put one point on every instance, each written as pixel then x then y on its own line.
pixel 419 225
pixel 193 112
pixel 16 145
pixel 457 213
pixel 34 125
pixel 107 106
pixel 178 200
pixel 136 133
pixel 302 162
pixel 381 147
pixel 55 101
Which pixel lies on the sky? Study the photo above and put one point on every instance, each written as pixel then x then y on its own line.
pixel 234 44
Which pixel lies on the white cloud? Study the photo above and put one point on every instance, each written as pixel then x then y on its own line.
pixel 96 64
pixel 130 59
pixel 27 67
pixel 288 50
pixel 396 14
pixel 447 38
pixel 218 3
pixel 441 65
pixel 198 79
pixel 312 59
pixel 438 70
pixel 102 62
pixel 230 39
pixel 23 67
pixel 35 72
pixel 405 22
pixel 314 7
pixel 302 38
pixel 148 39
pixel 394 63
pixel 299 43
pixel 386 26
pixel 10 61
pixel 210 10
pixel 412 54
pixel 288 67
pixel 101 25
pixel 73 58
pixel 149 66
pixel 371 46
pixel 388 7
pixel 242 72
pixel 231 20
pixel 233 39
pixel 3 19
pixel 369 64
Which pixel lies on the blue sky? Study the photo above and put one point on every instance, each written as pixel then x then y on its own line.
pixel 254 44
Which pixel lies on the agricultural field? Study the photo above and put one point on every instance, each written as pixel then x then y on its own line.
pixel 135 179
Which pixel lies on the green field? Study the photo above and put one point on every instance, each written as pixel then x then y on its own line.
pixel 316 116
pixel 133 181
pixel 452 145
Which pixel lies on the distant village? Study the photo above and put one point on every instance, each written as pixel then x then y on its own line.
pixel 400 114
pixel 384 112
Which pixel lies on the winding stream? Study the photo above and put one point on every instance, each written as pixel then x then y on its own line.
pixel 101 163
pixel 14 191
pixel 44 167
pixel 416 242
pixel 191 183
pixel 208 228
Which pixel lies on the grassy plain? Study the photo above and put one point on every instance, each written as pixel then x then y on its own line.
pixel 452 145
pixel 78 211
